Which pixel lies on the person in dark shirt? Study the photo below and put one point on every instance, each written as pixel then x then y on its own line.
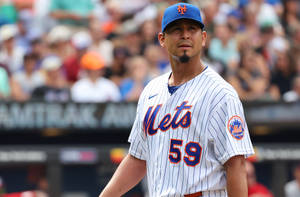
pixel 255 189
pixel 283 73
pixel 55 87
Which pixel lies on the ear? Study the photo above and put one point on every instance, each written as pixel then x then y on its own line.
pixel 161 39
pixel 204 36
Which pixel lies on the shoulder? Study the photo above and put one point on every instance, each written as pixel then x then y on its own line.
pixel 126 82
pixel 154 86
pixel 220 86
pixel 106 82
pixel 81 83
pixel 219 94
pixel 18 75
pixel 37 75
pixel 159 80
pixel 291 186
pixel 157 83
pixel 2 71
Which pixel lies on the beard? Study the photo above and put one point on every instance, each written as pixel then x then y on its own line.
pixel 184 58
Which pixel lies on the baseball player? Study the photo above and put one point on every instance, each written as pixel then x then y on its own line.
pixel 190 136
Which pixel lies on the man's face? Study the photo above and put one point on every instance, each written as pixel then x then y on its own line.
pixel 183 38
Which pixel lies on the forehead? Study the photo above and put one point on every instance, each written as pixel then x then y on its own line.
pixel 183 22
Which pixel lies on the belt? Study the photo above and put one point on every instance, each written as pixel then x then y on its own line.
pixel 197 194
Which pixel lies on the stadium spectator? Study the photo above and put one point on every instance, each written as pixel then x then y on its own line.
pixel 252 79
pixel 148 31
pixel 266 35
pixel 266 13
pixel 210 10
pixel 39 48
pixel 59 42
pixel 290 19
pixel 55 88
pixel 234 19
pixel 25 30
pixel 295 38
pixel 4 84
pixel 223 47
pixel 29 78
pixel 23 4
pixel 296 60
pixel 10 54
pixel 157 59
pixel 8 12
pixel 81 42
pixel 255 189
pixel 292 188
pixel 294 94
pixel 116 72
pixel 67 12
pixel 250 36
pixel 42 187
pixel 137 78
pixel 132 40
pixel 283 72
pixel 94 87
pixel 41 11
pixel 99 42
pixel 112 25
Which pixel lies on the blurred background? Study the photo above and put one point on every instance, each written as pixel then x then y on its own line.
pixel 71 73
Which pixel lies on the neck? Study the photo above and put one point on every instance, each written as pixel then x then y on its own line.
pixel 183 72
pixel 28 72
pixel 94 79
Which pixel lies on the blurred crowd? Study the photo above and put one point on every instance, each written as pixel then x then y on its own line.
pixel 107 50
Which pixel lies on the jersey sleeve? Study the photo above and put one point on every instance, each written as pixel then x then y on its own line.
pixel 137 136
pixel 228 130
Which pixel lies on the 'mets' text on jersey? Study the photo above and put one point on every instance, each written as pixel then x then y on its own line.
pixel 168 121
pixel 187 136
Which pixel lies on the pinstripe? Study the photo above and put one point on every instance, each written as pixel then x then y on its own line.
pixel 207 164
pixel 175 95
pixel 193 87
pixel 204 83
pixel 197 120
pixel 213 102
pixel 163 156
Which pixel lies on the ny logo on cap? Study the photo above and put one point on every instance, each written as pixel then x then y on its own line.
pixel 181 10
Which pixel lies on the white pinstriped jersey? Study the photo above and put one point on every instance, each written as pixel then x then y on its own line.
pixel 187 136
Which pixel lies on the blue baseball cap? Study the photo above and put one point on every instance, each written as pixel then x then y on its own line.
pixel 181 11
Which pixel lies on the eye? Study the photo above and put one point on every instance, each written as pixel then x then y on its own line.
pixel 175 30
pixel 193 28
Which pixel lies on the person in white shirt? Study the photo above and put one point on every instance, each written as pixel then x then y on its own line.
pixel 10 53
pixel 292 188
pixel 294 94
pixel 93 87
pixel 29 78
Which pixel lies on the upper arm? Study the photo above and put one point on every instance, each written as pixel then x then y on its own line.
pixel 235 163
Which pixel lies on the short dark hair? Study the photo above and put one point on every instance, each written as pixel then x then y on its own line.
pixel 30 56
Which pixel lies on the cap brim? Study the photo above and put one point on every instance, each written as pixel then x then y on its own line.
pixel 172 22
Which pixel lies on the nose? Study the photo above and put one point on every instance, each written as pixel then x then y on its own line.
pixel 185 33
